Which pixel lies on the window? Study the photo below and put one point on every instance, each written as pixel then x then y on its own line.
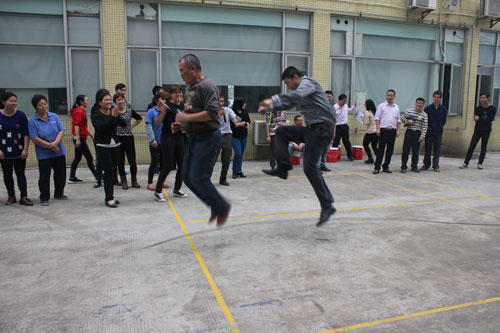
pixel 243 50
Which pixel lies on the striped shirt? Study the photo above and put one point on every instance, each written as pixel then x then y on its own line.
pixel 420 121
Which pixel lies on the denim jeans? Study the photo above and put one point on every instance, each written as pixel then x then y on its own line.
pixel 199 160
pixel 239 146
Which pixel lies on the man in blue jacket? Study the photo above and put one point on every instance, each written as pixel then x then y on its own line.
pixel 436 114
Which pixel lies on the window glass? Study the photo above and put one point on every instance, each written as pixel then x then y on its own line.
pixel 299 62
pixel 85 73
pixel 454 45
pixel 224 28
pixel 341 77
pixel 143 77
pixel 341 38
pixel 83 22
pixel 142 24
pixel 297 32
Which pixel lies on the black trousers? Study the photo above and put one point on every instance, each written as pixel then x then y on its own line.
pixel 98 169
pixel 173 148
pixel 412 143
pixel 432 145
pixel 387 139
pixel 155 154
pixel 315 139
pixel 370 139
pixel 85 151
pixel 107 158
pixel 342 132
pixel 19 166
pixel 45 167
pixel 226 152
pixel 272 155
pixel 127 147
pixel 484 136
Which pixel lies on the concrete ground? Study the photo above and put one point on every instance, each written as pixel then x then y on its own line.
pixel 405 253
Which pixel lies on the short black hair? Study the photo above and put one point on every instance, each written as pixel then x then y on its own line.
pixel 485 93
pixel 342 96
pixel 120 86
pixel 156 89
pixel 438 92
pixel 191 60
pixel 421 99
pixel 329 92
pixel 290 72
pixel 36 99
pixel 5 96
pixel 296 117
pixel 393 91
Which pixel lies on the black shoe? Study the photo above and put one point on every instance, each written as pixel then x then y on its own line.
pixel 98 184
pixel 403 170
pixel 387 170
pixel 351 159
pixel 223 182
pixel 235 175
pixel 277 172
pixel 424 168
pixel 117 183
pixel 241 175
pixel 369 161
pixel 325 215
pixel 111 205
pixel 436 169
pixel 324 168
pixel 415 170
pixel 62 197
pixel 74 180
pixel 376 172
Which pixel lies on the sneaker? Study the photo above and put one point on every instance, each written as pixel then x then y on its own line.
pixel 324 168
pixel 74 180
pixel 44 203
pixel 25 202
pixel 480 166
pixel 416 170
pixel 10 200
pixel 180 194
pixel 160 197
pixel 463 166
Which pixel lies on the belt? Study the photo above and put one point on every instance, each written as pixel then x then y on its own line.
pixel 223 134
pixel 414 130
pixel 388 129
pixel 323 124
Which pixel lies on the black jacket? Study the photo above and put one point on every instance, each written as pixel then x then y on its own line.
pixel 105 126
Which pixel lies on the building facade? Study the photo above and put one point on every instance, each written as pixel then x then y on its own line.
pixel 63 48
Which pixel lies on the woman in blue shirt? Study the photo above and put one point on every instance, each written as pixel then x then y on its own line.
pixel 14 147
pixel 46 132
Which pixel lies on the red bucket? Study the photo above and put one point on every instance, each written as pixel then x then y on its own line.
pixel 333 155
pixel 357 152
pixel 340 151
pixel 295 160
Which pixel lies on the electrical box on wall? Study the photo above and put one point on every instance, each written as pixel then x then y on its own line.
pixel 490 8
pixel 422 4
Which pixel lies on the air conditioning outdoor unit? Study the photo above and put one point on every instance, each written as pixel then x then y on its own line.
pixel 422 4
pixel 260 132
pixel 490 8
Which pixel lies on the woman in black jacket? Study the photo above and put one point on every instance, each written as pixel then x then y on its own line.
pixel 105 119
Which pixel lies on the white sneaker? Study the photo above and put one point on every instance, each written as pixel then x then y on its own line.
pixel 160 197
pixel 480 166
pixel 463 166
pixel 180 194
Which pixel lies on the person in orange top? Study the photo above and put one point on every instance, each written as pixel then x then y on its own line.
pixel 80 132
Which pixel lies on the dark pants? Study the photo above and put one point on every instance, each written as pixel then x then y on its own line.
pixel 107 158
pixel 239 145
pixel 412 143
pixel 272 156
pixel 127 147
pixel 342 132
pixel 45 167
pixel 155 154
pixel 322 157
pixel 19 166
pixel 370 139
pixel 98 169
pixel 173 148
pixel 484 136
pixel 226 152
pixel 315 139
pixel 432 143
pixel 387 138
pixel 199 161
pixel 85 151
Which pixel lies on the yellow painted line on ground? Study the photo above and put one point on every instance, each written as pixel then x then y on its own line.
pixel 450 187
pixel 429 195
pixel 340 210
pixel 211 282
pixel 412 315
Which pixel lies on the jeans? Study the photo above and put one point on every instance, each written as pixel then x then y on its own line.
pixel 239 145
pixel 387 138
pixel 45 167
pixel 484 136
pixel 432 141
pixel 342 132
pixel 225 157
pixel 19 166
pixel 315 139
pixel 127 147
pixel 85 151
pixel 107 159
pixel 199 161
pixel 412 143
pixel 370 139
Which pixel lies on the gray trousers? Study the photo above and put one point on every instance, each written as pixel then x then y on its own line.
pixel 226 152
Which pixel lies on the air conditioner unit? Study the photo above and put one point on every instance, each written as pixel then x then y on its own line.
pixel 422 4
pixel 260 132
pixel 490 8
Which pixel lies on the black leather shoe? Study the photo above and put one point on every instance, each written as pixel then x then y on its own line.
pixel 276 172
pixel 415 170
pixel 403 170
pixel 387 170
pixel 111 205
pixel 325 215
pixel 235 175
pixel 223 182
pixel 424 168
pixel 324 168
pixel 241 175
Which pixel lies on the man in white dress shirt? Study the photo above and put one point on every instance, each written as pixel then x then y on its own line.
pixel 342 110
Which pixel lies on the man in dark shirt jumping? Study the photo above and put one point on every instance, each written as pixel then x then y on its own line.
pixel 313 104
